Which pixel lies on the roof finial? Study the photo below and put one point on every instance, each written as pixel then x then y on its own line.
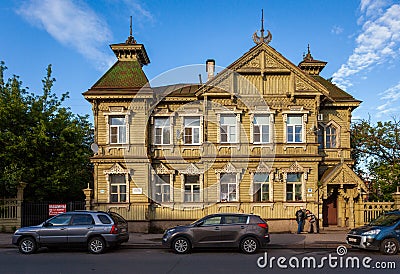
pixel 130 27
pixel 308 56
pixel 262 23
pixel 130 39
pixel 262 39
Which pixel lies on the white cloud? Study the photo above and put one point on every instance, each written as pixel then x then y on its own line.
pixel 337 30
pixel 73 24
pixel 138 10
pixel 391 96
pixel 378 42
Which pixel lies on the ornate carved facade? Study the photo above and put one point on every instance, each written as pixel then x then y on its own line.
pixel 263 136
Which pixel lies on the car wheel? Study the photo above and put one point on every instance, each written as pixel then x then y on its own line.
pixel 27 245
pixel 96 245
pixel 389 246
pixel 249 245
pixel 181 245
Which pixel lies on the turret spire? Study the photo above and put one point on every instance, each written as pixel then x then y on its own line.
pixel 131 40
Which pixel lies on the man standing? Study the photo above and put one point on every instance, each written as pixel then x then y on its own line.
pixel 312 227
pixel 300 216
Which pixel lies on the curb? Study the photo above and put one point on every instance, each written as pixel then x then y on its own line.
pixel 272 246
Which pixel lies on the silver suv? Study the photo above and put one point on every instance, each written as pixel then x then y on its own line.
pixel 94 229
pixel 246 231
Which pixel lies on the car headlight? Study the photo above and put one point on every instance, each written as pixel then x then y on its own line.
pixel 372 232
pixel 169 231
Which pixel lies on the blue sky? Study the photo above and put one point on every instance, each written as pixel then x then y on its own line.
pixel 360 40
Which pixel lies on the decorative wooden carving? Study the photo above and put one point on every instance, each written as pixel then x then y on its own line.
pixel 116 169
pixel 229 168
pixel 192 169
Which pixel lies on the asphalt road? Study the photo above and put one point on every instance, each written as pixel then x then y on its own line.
pixel 200 261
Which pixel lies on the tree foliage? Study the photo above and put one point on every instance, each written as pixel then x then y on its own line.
pixel 42 143
pixel 376 148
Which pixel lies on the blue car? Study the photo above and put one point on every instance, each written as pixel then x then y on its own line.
pixel 382 234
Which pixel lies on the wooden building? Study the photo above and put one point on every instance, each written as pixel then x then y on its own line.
pixel 263 136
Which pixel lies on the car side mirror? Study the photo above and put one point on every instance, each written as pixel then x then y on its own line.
pixel 200 223
pixel 46 224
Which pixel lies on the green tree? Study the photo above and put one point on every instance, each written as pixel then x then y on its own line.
pixel 42 143
pixel 376 149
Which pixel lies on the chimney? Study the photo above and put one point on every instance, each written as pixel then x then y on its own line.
pixel 210 68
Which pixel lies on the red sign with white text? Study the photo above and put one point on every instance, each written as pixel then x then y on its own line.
pixel 55 209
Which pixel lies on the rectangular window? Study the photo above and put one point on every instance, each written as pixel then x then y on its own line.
pixel 261 187
pixel 261 129
pixel 320 137
pixel 118 188
pixel 331 137
pixel 117 130
pixel 192 188
pixel 294 187
pixel 294 129
pixel 228 128
pixel 162 131
pixel 228 187
pixel 163 188
pixel 192 130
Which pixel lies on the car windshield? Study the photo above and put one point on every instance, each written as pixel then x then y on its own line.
pixel 386 220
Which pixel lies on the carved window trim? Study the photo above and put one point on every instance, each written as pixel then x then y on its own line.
pixel 161 169
pixel 117 169
pixel 228 168
pixel 296 168
pixel 192 170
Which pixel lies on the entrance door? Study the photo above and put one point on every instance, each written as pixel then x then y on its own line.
pixel 329 210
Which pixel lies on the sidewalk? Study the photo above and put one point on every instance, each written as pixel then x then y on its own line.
pixel 325 239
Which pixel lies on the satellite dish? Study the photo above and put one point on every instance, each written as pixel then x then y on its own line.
pixel 95 148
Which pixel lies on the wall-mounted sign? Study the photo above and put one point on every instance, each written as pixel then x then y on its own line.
pixel 137 190
pixel 55 209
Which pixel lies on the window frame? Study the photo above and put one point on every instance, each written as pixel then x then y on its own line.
pixel 192 192
pixel 169 134
pixel 261 127
pixel 118 192
pixel 192 129
pixel 255 191
pixel 324 138
pixel 228 184
pixel 157 179
pixel 294 184
pixel 232 129
pixel 293 127
pixel 121 136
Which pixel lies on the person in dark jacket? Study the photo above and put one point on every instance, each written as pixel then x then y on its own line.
pixel 300 217
pixel 311 222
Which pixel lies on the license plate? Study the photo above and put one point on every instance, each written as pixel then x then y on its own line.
pixel 353 240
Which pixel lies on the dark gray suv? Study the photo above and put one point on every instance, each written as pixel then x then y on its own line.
pixel 245 231
pixel 94 229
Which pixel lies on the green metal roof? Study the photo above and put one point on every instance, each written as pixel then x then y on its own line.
pixel 123 74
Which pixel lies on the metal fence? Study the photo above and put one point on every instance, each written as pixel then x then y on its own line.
pixel 36 213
